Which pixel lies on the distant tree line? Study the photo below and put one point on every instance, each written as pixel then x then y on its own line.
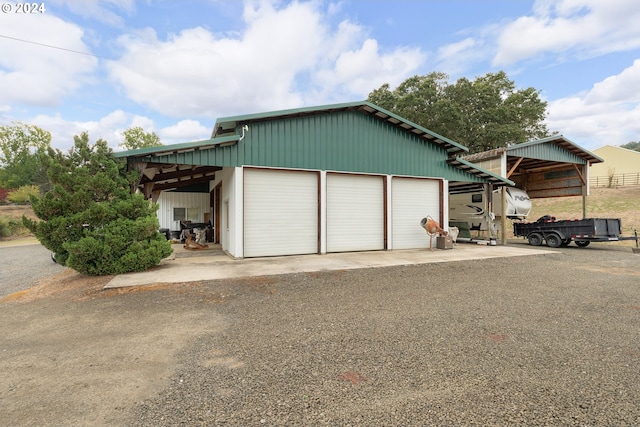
pixel 632 145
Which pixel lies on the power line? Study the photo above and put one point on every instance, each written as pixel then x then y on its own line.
pixel 53 47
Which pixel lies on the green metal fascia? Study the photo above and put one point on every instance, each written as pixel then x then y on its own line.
pixel 485 174
pixel 410 123
pixel 174 148
pixel 545 151
pixel 528 147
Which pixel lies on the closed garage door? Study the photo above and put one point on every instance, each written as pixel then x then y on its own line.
pixel 413 199
pixel 280 212
pixel 355 212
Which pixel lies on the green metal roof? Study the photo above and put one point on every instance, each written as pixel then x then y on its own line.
pixel 556 148
pixel 474 169
pixel 229 124
pixel 178 148
pixel 351 137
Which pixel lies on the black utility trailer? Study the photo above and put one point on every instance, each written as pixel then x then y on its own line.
pixel 558 233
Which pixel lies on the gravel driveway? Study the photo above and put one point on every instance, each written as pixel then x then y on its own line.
pixel 536 340
pixel 22 266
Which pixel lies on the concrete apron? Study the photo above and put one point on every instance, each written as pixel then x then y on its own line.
pixel 198 268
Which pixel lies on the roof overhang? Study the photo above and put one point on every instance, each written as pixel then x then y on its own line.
pixel 530 155
pixel 473 169
pixel 186 147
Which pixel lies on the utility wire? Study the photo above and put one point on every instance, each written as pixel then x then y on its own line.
pixel 53 47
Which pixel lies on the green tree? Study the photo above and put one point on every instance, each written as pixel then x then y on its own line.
pixel 90 219
pixel 632 145
pixel 135 137
pixel 23 149
pixel 482 114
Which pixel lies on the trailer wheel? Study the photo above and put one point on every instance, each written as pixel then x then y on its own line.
pixel 553 240
pixel 535 239
pixel 582 243
pixel 566 242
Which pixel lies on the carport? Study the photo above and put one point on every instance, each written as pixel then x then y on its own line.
pixel 548 167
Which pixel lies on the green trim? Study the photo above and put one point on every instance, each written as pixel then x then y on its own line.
pixel 577 150
pixel 476 170
pixel 174 148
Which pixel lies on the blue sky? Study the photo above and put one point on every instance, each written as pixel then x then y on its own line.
pixel 174 67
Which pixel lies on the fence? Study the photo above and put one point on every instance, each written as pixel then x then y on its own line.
pixel 620 180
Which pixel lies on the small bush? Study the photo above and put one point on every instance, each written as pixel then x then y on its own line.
pixel 8 227
pixel 22 195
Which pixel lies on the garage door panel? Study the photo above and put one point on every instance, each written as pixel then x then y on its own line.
pixel 413 199
pixel 355 213
pixel 280 212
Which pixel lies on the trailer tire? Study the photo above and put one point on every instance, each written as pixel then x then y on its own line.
pixel 566 242
pixel 535 239
pixel 553 240
pixel 582 243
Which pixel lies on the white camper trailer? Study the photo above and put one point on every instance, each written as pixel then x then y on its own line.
pixel 473 208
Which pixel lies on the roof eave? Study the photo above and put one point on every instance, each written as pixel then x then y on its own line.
pixel 476 170
pixel 576 149
pixel 180 148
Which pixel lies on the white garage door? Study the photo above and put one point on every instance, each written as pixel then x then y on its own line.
pixel 280 212
pixel 355 212
pixel 413 199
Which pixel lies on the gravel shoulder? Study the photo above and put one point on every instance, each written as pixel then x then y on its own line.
pixel 534 340
pixel 24 262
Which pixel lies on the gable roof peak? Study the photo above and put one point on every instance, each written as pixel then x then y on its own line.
pixel 227 125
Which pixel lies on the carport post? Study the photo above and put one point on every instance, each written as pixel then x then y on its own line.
pixel 503 217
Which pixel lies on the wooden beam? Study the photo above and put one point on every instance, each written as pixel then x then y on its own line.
pixel 183 183
pixel 513 168
pixel 147 189
pixel 182 173
pixel 584 181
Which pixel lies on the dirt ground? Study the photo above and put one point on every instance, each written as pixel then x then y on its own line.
pixel 74 354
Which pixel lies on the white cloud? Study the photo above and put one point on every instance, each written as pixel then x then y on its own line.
pixel 586 27
pixel 457 57
pixel 111 126
pixel 286 57
pixel 184 131
pixel 36 75
pixel 609 113
pixel 624 87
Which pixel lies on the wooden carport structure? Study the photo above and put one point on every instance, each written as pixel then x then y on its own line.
pixel 548 167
